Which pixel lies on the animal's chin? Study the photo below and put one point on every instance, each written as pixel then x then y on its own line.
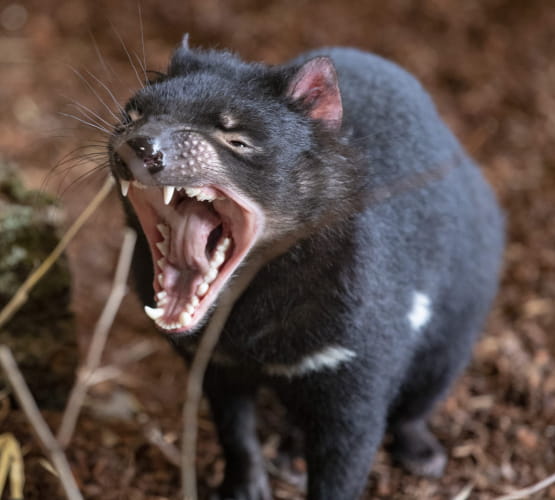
pixel 198 237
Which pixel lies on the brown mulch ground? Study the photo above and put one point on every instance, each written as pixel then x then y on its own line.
pixel 490 66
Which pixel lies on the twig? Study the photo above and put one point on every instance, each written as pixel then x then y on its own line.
pixel 102 374
pixel 155 437
pixel 192 401
pixel 98 342
pixel 464 493
pixel 22 293
pixel 11 464
pixel 132 354
pixel 196 374
pixel 39 426
pixel 530 490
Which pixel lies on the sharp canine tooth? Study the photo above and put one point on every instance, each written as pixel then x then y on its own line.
pixel 163 229
pixel 202 289
pixel 124 185
pixel 168 194
pixel 185 318
pixel 154 313
pixel 163 246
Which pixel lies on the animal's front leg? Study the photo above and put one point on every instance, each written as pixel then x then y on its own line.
pixel 343 428
pixel 232 403
pixel 339 458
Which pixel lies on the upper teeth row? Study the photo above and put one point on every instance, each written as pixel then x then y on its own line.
pixel 168 191
pixel 186 316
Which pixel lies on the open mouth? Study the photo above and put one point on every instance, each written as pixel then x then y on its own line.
pixel 198 236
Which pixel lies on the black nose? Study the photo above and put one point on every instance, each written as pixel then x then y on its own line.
pixel 144 151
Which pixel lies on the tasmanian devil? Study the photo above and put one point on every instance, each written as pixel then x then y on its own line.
pixel 355 244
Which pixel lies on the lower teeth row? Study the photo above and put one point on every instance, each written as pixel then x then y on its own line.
pixel 186 316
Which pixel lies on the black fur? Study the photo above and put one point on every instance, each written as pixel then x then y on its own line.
pixel 388 205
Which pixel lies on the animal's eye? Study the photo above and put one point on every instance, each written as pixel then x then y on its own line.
pixel 237 141
pixel 238 144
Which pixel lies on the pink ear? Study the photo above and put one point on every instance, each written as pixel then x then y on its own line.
pixel 315 86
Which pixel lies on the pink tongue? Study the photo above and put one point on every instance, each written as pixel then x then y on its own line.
pixel 196 223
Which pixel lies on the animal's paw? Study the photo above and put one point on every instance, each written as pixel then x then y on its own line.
pixel 419 451
pixel 429 463
pixel 257 489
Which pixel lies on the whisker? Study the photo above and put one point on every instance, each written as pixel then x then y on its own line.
pixel 90 114
pixel 105 64
pixel 83 177
pixel 86 116
pixel 142 33
pixel 73 153
pixel 94 92
pixel 76 158
pixel 85 122
pixel 143 69
pixel 109 92
pixel 61 133
pixel 81 159
pixel 141 84
pixel 63 174
pixel 100 146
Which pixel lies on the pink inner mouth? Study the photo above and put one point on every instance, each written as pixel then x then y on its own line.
pixel 196 241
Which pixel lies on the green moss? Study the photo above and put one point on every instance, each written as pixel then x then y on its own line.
pixel 41 333
pixel 29 226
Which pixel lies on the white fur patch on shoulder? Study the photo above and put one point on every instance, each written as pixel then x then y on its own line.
pixel 328 358
pixel 420 312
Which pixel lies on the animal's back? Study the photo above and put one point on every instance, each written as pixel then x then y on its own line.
pixel 432 222
pixel 443 225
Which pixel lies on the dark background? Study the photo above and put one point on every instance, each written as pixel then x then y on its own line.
pixel 490 67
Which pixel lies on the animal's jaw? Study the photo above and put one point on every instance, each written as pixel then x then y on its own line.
pixel 198 237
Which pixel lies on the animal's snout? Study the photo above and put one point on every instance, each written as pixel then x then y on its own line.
pixel 139 158
pixel 167 157
pixel 144 149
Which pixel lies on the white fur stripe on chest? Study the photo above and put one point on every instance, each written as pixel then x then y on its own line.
pixel 328 358
pixel 420 312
